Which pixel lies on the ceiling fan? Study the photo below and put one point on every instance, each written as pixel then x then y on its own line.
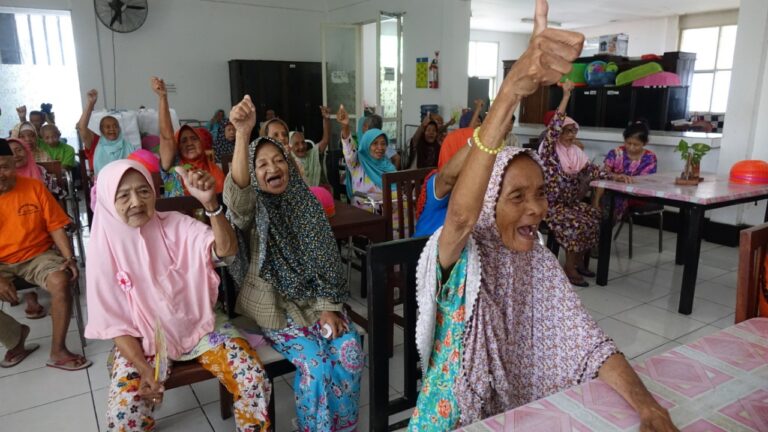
pixel 122 16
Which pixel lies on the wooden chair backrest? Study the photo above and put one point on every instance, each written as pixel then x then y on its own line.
pixel 226 162
pixel 751 282
pixel 381 257
pixel 407 187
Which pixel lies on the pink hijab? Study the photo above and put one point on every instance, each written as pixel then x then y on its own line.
pixel 572 158
pixel 30 169
pixel 160 271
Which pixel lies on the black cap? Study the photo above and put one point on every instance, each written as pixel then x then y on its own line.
pixel 5 149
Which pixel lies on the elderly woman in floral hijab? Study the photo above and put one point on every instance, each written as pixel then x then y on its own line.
pixel 291 278
pixel 499 326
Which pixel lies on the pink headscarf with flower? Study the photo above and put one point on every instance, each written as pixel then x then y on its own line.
pixel 30 168
pixel 572 158
pixel 161 271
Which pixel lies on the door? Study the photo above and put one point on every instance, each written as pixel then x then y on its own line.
pixel 389 29
pixel 340 68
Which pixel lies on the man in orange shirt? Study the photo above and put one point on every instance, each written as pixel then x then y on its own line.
pixel 32 223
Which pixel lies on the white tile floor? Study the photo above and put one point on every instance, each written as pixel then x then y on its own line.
pixel 637 308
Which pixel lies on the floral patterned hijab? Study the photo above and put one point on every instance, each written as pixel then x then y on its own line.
pixel 298 254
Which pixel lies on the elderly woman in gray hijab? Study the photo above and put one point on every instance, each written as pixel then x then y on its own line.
pixel 499 325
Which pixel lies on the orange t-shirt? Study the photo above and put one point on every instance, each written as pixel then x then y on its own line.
pixel 28 213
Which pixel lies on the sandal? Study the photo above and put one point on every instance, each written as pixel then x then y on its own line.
pixel 579 283
pixel 18 358
pixel 40 313
pixel 585 272
pixel 74 363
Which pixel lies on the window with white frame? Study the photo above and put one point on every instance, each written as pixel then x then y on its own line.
pixel 484 63
pixel 714 47
pixel 38 65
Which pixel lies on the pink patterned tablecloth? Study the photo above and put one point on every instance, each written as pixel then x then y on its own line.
pixel 712 190
pixel 717 384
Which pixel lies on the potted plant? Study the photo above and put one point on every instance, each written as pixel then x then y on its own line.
pixel 692 154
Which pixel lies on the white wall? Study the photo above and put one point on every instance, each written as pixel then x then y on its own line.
pixel 188 43
pixel 428 26
pixel 648 36
pixel 511 46
pixel 746 133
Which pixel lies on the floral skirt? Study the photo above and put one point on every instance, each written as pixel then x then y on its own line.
pixel 576 225
pixel 328 372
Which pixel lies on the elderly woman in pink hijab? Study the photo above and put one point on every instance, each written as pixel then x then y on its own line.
pixel 568 171
pixel 499 326
pixel 151 273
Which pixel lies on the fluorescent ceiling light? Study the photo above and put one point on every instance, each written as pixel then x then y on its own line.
pixel 549 23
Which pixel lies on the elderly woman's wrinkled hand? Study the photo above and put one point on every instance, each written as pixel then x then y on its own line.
pixel 657 420
pixel 623 178
pixel 337 324
pixel 568 86
pixel 548 57
pixel 92 95
pixel 149 389
pixel 22 111
pixel 243 115
pixel 342 117
pixel 158 86
pixel 201 185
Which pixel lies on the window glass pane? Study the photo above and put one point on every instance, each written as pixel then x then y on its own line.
pixel 720 92
pixel 701 92
pixel 483 59
pixel 727 46
pixel 701 41
pixel 472 60
pixel 38 40
pixel 25 43
pixel 68 43
pixel 54 42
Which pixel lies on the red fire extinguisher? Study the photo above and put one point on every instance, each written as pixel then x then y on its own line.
pixel 433 72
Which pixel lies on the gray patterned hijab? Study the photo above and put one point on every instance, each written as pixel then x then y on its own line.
pixel 298 254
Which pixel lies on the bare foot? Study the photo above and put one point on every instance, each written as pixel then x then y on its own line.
pixel 19 348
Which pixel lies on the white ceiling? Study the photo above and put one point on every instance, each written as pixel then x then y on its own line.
pixel 299 5
pixel 505 15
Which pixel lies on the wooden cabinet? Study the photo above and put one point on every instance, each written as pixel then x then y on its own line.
pixel 293 89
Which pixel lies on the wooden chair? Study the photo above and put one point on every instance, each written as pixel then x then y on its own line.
pixel 226 162
pixel 751 282
pixel 400 192
pixel 383 256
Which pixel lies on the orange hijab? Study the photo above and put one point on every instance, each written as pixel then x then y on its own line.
pixel 202 162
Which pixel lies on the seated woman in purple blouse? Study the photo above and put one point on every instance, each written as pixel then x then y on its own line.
pixel 631 159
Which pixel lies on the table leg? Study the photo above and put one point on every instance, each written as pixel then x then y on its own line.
pixel 682 224
pixel 691 258
pixel 606 233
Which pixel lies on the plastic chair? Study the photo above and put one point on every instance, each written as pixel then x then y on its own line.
pixel 647 210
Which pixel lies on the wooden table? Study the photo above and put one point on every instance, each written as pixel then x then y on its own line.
pixel 692 201
pixel 351 221
pixel 716 384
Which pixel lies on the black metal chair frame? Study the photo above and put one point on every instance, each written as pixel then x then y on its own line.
pixel 382 257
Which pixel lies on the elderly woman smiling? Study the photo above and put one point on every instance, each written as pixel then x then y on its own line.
pixel 499 326
pixel 149 270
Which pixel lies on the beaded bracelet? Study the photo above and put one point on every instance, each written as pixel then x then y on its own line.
pixel 476 138
pixel 216 212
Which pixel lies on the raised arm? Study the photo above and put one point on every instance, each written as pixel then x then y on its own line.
pixel 548 57
pixel 343 118
pixel 22 113
pixel 82 125
pixel 446 178
pixel 243 117
pixel 475 121
pixel 167 142
pixel 202 186
pixel 323 143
